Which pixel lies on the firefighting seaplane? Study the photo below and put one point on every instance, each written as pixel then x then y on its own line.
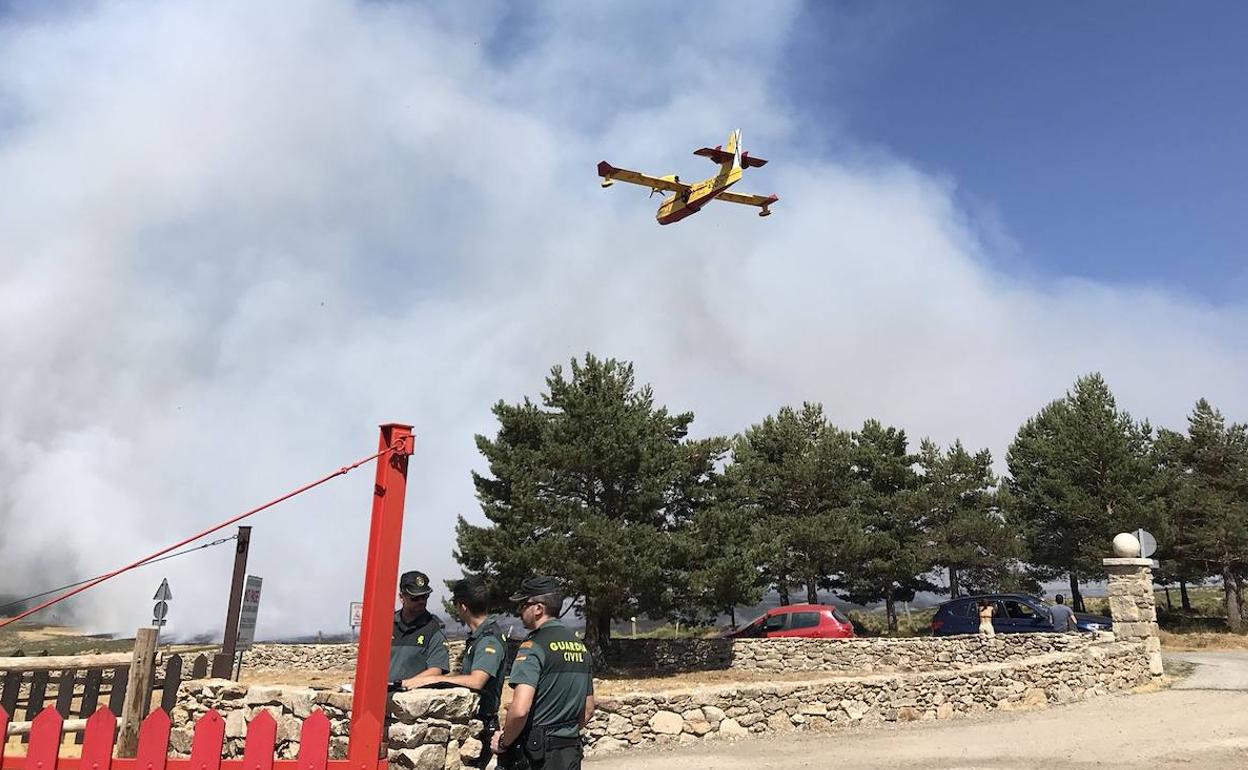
pixel 690 198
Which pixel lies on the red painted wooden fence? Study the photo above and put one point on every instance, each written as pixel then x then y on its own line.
pixel 43 753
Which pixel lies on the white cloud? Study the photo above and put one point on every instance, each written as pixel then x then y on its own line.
pixel 235 237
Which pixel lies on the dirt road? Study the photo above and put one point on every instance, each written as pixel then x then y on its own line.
pixel 1202 722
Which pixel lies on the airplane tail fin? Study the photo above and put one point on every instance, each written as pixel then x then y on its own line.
pixel 734 147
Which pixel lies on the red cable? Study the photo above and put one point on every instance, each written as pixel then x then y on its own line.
pixel 341 471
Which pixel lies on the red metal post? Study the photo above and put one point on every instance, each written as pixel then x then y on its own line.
pixel 381 577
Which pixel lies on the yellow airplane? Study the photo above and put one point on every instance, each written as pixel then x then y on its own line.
pixel 690 198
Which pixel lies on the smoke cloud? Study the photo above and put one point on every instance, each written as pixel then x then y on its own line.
pixel 235 237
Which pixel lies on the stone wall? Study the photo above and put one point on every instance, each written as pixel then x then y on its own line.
pixel 301 657
pixel 319 657
pixel 427 729
pixel 849 682
pixel 827 702
pixel 844 655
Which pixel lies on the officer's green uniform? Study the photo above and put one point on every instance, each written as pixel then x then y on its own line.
pixel 487 651
pixel 557 665
pixel 417 646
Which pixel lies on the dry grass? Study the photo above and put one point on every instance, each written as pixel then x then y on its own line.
pixel 1202 640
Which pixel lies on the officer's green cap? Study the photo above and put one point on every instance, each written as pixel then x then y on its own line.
pixel 537 586
pixel 415 584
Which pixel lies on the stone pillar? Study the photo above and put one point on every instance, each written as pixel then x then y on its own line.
pixel 1133 606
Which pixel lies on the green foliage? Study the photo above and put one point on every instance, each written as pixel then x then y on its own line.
pixel 1206 481
pixel 893 556
pixel 593 486
pixel 869 623
pixel 792 478
pixel 969 532
pixel 1081 471
pixel 722 550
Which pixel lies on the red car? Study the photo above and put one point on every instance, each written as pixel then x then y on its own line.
pixel 815 621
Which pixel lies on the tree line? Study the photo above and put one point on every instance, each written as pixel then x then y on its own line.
pixel 596 483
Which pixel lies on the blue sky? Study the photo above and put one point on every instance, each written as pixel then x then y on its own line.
pixel 1109 137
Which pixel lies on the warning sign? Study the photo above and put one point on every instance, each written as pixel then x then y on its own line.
pixel 247 613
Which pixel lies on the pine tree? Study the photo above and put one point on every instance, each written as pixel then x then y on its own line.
pixel 593 486
pixel 1080 472
pixel 893 556
pixel 723 549
pixel 968 531
pixel 792 475
pixel 1209 504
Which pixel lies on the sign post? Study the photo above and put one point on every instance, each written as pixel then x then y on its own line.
pixel 160 611
pixel 355 617
pixel 223 662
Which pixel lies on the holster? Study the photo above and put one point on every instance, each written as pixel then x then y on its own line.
pixel 534 742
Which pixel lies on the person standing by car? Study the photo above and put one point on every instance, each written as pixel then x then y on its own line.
pixel 552 687
pixel 1061 617
pixel 985 619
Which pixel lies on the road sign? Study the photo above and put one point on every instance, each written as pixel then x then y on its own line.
pixel 356 618
pixel 247 613
pixel 163 594
pixel 161 610
pixel 1148 543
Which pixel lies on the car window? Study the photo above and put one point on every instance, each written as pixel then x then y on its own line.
pixel 963 610
pixel 1020 610
pixel 804 620
pixel 836 613
pixel 776 622
pixel 754 629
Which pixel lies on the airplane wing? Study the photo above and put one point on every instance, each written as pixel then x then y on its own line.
pixel 607 171
pixel 762 201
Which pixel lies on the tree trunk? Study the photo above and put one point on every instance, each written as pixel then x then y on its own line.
pixel 598 635
pixel 812 592
pixel 1169 606
pixel 783 589
pixel 1076 598
pixel 1230 587
pixel 732 613
pixel 953 582
pixel 890 607
pixel 1185 601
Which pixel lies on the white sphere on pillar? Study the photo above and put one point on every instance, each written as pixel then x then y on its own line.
pixel 1126 546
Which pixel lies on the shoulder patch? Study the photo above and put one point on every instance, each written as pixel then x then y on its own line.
pixel 521 657
pixel 490 649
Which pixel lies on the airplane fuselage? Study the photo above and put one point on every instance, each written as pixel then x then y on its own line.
pixel 681 205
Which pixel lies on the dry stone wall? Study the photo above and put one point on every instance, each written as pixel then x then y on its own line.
pixel 845 655
pixel 319 657
pixel 850 682
pixel 427 729
pixel 1082 671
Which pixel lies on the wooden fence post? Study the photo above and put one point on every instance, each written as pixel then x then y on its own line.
pixel 138 691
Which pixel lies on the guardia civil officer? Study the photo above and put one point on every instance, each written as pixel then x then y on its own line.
pixel 481 668
pixel 418 646
pixel 553 690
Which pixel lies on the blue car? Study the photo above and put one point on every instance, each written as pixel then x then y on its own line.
pixel 1014 614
